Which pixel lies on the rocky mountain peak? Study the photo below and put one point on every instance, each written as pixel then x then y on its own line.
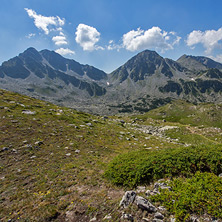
pixel 31 54
pixel 198 63
pixel 146 56
pixel 142 65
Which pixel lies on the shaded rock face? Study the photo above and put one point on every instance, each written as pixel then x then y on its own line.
pixel 148 76
pixel 198 63
pixel 142 65
pixel 60 63
pixel 172 86
pixel 14 68
pixel 50 65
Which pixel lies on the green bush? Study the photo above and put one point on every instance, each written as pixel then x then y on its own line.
pixel 201 194
pixel 142 167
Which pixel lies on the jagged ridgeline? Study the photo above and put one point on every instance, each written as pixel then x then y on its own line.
pixel 144 82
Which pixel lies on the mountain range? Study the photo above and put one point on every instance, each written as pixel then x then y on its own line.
pixel 144 82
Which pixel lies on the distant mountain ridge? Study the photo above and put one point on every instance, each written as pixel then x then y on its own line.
pixel 145 81
pixel 198 62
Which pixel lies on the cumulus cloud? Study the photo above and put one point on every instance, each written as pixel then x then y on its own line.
pixel 60 40
pixel 65 51
pixel 210 39
pixel 217 58
pixel 43 22
pixel 87 37
pixel 154 38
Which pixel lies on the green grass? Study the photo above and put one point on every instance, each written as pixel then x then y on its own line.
pixel 142 167
pixel 42 183
pixel 198 195
pixel 187 113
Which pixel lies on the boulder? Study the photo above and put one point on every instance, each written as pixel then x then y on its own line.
pixel 128 198
pixel 151 192
pixel 162 186
pixel 161 209
pixel 140 189
pixel 158 215
pixel 194 219
pixel 28 112
pixel 144 204
pixel 38 143
pixel 5 148
pixel 128 217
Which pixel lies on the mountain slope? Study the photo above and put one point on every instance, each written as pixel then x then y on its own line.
pixel 198 63
pixel 150 81
pixel 48 74
pixel 142 65
pixel 53 158
pixel 144 82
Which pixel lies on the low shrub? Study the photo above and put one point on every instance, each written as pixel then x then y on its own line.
pixel 142 167
pixel 198 195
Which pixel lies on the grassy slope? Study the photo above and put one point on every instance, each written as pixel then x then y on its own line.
pixel 205 114
pixel 46 182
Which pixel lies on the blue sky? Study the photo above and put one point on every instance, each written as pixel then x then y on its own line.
pixel 106 33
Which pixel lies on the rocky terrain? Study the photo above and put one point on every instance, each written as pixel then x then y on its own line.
pixel 55 162
pixel 144 82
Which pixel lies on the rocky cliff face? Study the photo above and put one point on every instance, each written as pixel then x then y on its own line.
pixel 198 63
pixel 148 80
pixel 144 82
pixel 47 74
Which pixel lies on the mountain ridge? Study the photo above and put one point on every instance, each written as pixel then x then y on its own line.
pixel 201 62
pixel 145 81
pixel 48 66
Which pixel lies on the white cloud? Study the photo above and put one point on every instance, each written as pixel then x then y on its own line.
pixel 60 40
pixel 60 21
pixel 29 36
pixel 210 39
pixel 43 22
pixel 177 40
pixel 87 37
pixel 217 58
pixel 112 45
pixel 66 51
pixel 59 29
pixel 153 38
pixel 61 33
